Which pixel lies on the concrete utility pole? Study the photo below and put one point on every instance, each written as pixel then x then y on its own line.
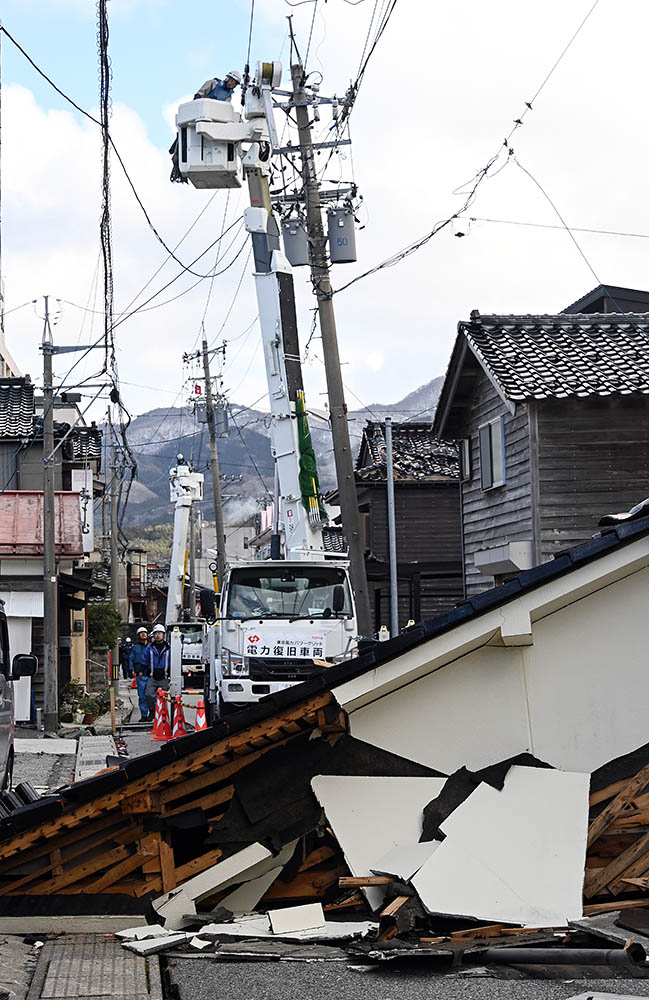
pixel 114 557
pixel 214 466
pixel 392 532
pixel 337 408
pixel 50 610
pixel 192 563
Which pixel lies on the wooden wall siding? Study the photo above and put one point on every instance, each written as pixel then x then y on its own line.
pixel 502 514
pixel 593 460
pixel 427 519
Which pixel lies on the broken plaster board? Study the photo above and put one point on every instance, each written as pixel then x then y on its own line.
pixel 246 896
pixel 150 946
pixel 176 907
pixel 370 816
pixel 141 932
pixel 259 927
pixel 296 918
pixel 405 860
pixel 517 855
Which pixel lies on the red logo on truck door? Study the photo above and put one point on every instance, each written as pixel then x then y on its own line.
pixel 253 638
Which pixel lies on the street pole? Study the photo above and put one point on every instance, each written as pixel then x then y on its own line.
pixel 214 466
pixel 192 564
pixel 392 532
pixel 50 610
pixel 337 408
pixel 114 558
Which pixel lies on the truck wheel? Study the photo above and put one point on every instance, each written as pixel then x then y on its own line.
pixel 9 772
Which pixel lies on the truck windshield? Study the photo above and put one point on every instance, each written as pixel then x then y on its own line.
pixel 305 592
pixel 191 635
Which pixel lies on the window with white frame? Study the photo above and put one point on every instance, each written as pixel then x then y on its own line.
pixel 491 438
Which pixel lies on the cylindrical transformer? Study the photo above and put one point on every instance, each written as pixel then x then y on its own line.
pixel 342 237
pixel 296 243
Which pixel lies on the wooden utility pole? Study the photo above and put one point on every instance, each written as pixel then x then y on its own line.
pixel 214 466
pixel 50 609
pixel 337 408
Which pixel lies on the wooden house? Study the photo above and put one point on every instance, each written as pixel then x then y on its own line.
pixel 427 508
pixel 551 416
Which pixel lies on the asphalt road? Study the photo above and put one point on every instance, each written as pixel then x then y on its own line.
pixel 205 979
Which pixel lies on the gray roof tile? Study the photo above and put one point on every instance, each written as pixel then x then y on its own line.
pixel 417 454
pixel 584 354
pixel 16 408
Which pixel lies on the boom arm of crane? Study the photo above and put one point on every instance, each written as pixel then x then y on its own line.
pixel 218 161
pixel 185 487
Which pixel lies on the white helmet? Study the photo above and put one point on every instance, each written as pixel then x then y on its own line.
pixel 234 75
pixel 158 628
pixel 141 630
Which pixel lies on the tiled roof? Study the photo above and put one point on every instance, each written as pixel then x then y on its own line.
pixel 333 539
pixel 85 444
pixel 16 408
pixel 584 354
pixel 417 454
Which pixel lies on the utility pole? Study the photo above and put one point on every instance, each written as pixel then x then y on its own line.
pixel 192 563
pixel 337 408
pixel 50 610
pixel 114 558
pixel 392 532
pixel 214 466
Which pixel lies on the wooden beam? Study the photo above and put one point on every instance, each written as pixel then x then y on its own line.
pixel 198 865
pixel 607 793
pixel 81 871
pixel 117 872
pixel 205 802
pixel 359 882
pixel 351 901
pixel 167 864
pixel 618 804
pixel 617 866
pixel 145 802
pixel 592 909
pixel 305 885
pixel 393 908
pixel 316 858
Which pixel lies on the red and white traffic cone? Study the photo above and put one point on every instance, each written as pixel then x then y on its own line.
pixel 163 731
pixel 179 720
pixel 201 719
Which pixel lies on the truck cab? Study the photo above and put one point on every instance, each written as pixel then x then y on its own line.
pixel 281 622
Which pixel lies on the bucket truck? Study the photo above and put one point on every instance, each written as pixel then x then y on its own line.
pixel 281 620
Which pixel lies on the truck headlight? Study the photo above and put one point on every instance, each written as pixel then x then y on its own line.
pixel 233 665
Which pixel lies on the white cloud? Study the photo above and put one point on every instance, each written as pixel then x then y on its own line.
pixel 439 95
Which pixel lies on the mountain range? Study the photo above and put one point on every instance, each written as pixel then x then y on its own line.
pixel 245 461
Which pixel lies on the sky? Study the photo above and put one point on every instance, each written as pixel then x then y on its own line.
pixel 444 86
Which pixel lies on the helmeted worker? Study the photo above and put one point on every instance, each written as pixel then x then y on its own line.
pixel 126 657
pixel 158 660
pixel 140 668
pixel 219 90
pixel 215 90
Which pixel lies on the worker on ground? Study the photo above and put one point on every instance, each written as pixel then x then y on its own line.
pixel 158 660
pixel 140 669
pixel 126 657
pixel 215 90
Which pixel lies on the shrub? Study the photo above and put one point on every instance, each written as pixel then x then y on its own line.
pixel 103 624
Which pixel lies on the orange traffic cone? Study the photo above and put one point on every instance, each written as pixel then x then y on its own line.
pixel 179 720
pixel 201 720
pixel 163 730
pixel 134 683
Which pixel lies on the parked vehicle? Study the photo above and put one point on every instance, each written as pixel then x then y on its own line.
pixel 23 665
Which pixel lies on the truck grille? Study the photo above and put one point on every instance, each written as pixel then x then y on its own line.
pixel 282 670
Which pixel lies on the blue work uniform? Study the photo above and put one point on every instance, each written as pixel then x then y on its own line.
pixel 140 668
pixel 158 661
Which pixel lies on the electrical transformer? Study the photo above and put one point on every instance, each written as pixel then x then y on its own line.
pixel 342 237
pixel 296 243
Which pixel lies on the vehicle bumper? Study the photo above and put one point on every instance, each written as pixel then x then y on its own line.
pixel 243 691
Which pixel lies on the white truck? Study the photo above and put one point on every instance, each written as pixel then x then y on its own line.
pixel 280 621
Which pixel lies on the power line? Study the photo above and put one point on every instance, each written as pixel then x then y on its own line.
pixel 250 455
pixel 114 148
pixel 477 178
pixel 547 225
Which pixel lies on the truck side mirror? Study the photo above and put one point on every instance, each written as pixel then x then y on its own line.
pixel 23 665
pixel 338 599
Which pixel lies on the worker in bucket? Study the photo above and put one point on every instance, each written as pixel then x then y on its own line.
pixel 140 668
pixel 214 90
pixel 158 660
